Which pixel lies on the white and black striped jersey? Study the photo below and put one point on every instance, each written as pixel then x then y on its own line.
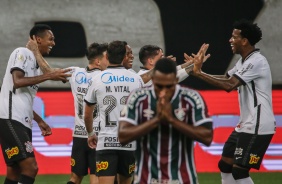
pixel 79 82
pixel 109 90
pixel 17 104
pixel 255 95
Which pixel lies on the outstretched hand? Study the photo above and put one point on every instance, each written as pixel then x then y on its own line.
pixel 171 57
pixel 190 59
pixel 32 44
pixel 199 59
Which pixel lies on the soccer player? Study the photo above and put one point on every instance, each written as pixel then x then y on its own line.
pixel 165 119
pixel 251 76
pixel 109 90
pixel 83 157
pixel 18 90
pixel 128 59
pixel 150 54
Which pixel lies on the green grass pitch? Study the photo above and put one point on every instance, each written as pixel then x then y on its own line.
pixel 204 178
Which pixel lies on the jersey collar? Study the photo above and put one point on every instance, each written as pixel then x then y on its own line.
pixel 116 67
pixel 91 70
pixel 143 68
pixel 250 54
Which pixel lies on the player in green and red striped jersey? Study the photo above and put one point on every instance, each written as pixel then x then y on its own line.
pixel 165 119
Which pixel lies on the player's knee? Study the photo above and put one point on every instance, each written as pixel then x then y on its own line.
pixel 75 178
pixel 224 167
pixel 34 169
pixel 30 170
pixel 240 173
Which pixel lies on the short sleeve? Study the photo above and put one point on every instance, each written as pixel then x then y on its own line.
pixel 232 71
pixel 90 97
pixel 250 70
pixel 20 60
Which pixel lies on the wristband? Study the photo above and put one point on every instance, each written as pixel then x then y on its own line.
pixel 91 134
pixel 182 75
pixel 178 67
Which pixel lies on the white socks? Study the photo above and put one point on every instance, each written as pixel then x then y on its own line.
pixel 227 178
pixel 247 180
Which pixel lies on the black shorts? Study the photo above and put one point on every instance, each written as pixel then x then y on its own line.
pixel 111 162
pixel 246 149
pixel 82 157
pixel 15 141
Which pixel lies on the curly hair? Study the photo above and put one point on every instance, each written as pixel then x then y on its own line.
pixel 249 30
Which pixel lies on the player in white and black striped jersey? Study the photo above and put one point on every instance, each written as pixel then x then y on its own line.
pixel 109 90
pixel 19 87
pixel 83 157
pixel 251 76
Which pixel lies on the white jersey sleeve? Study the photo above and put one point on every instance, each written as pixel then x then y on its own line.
pixel 17 104
pixel 182 75
pixel 251 70
pixel 142 71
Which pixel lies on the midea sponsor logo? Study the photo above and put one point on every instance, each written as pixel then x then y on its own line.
pixel 108 78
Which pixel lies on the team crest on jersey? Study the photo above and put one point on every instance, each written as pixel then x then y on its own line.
pixel 148 113
pixel 28 146
pixel 180 113
pixel 20 57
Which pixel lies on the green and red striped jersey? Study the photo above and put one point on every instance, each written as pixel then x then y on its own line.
pixel 165 154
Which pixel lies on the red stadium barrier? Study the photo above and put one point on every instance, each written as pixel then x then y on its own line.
pixel 53 153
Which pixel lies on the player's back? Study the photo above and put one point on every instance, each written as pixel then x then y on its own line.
pixel 79 82
pixel 110 89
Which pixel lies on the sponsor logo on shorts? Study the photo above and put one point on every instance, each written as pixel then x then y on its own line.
pixel 238 151
pixel 101 166
pixel 28 147
pixel 254 159
pixel 131 168
pixel 11 152
pixel 72 163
